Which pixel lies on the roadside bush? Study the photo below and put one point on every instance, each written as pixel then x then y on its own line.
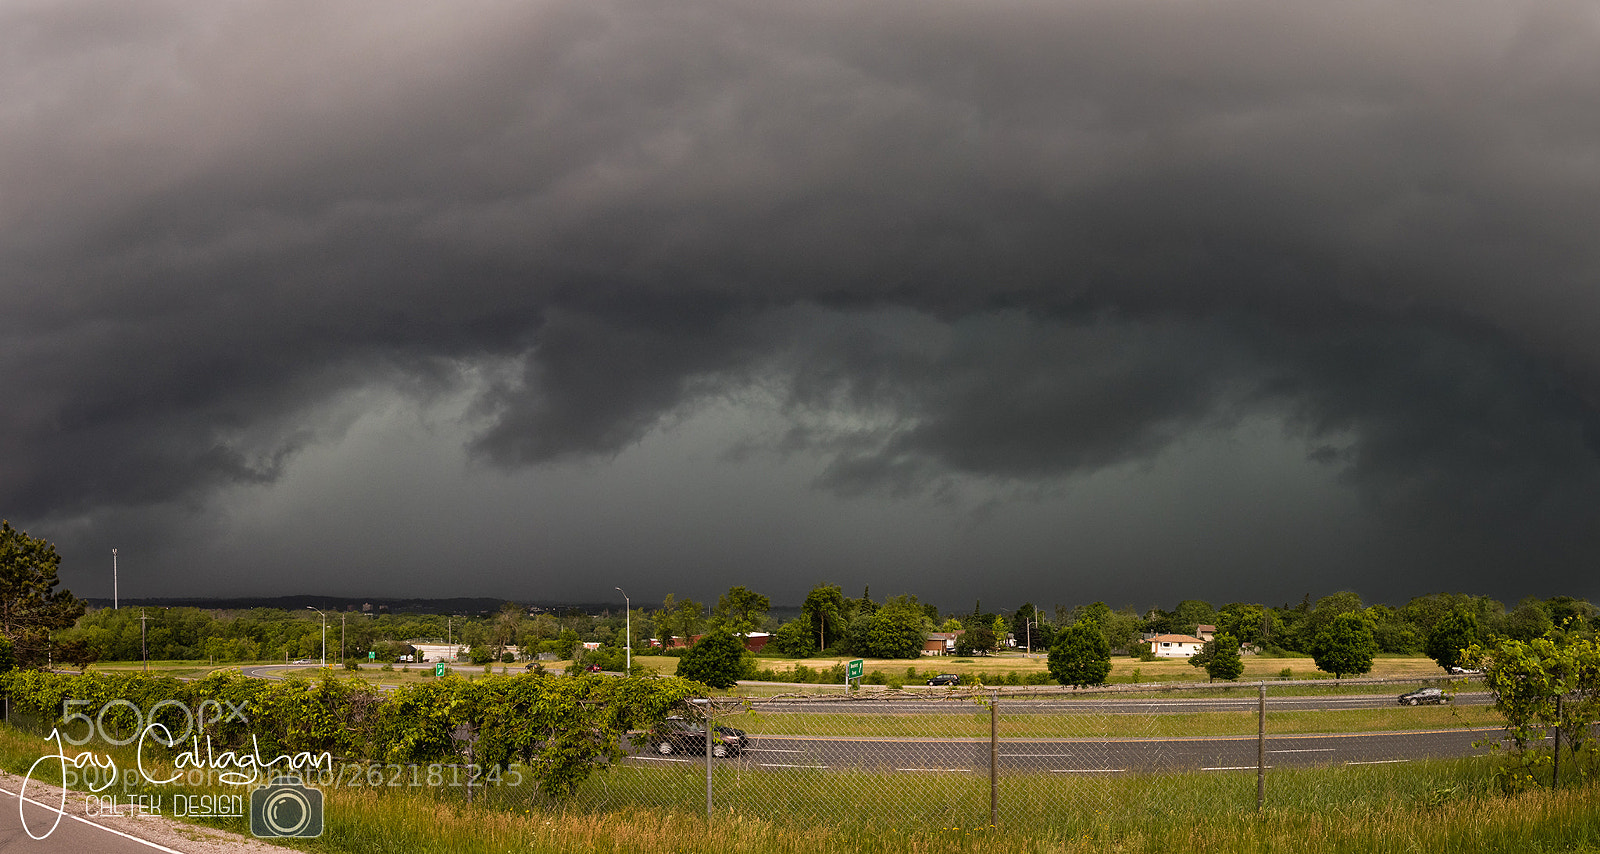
pixel 563 728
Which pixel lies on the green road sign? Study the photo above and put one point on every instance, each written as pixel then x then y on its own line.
pixel 438 669
pixel 371 655
pixel 853 669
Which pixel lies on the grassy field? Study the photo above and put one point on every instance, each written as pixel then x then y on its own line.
pixel 1124 670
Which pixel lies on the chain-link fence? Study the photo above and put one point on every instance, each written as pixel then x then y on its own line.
pixel 1047 756
pixel 1079 762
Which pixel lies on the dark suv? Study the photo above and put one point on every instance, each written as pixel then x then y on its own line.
pixel 945 679
pixel 679 735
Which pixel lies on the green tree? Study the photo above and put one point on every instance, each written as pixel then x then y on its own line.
pixel 895 630
pixel 979 639
pixel 1540 684
pixel 719 659
pixel 1249 622
pixel 1191 613
pixel 741 610
pixel 1220 657
pixel 1452 634
pixel 1344 646
pixel 687 620
pixel 1080 655
pixel 30 606
pixel 1529 620
pixel 824 608
pixel 794 638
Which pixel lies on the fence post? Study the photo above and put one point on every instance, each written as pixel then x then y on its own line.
pixel 1261 748
pixel 994 759
pixel 710 727
pixel 1555 773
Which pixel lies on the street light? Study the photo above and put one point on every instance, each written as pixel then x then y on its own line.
pixel 341 636
pixel 113 579
pixel 627 605
pixel 324 633
pixel 1028 627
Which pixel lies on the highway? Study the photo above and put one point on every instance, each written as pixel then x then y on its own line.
pixel 1097 705
pixel 1093 756
pixel 1079 756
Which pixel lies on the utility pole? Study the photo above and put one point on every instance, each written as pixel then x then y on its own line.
pixel 324 633
pixel 144 648
pixel 627 606
pixel 114 579
pixel 341 636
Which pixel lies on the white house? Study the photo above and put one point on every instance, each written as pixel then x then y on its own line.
pixel 1175 646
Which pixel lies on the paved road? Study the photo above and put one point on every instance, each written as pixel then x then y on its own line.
pixel 1099 706
pixel 1080 756
pixel 74 835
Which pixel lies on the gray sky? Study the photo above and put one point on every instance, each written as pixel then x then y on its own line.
pixel 1052 302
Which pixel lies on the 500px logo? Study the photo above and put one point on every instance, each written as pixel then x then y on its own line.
pixel 209 712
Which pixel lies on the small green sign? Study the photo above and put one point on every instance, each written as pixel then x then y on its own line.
pixel 853 669
pixel 371 655
pixel 438 669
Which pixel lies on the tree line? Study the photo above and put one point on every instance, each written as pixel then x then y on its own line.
pixel 42 624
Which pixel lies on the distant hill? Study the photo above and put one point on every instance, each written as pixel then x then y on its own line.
pixel 459 605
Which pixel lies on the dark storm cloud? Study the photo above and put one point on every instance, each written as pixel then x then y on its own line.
pixel 1009 241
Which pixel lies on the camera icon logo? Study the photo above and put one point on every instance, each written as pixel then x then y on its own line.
pixel 286 807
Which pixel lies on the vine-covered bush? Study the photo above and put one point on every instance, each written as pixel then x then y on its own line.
pixel 561 727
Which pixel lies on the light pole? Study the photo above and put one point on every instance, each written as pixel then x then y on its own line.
pixel 113 579
pixel 1028 627
pixel 144 648
pixel 324 633
pixel 341 636
pixel 627 606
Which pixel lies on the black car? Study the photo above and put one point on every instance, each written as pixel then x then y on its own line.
pixel 945 679
pixel 1422 695
pixel 679 735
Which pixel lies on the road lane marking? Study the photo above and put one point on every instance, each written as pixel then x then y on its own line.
pixel 1378 762
pixel 1233 768
pixel 968 770
pixel 1087 770
pixel 774 765
pixel 1305 750
pixel 82 820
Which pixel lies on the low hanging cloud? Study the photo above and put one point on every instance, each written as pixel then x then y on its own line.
pixel 1010 243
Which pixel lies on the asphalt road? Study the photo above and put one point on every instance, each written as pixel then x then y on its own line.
pixel 1094 756
pixel 75 834
pixel 1099 706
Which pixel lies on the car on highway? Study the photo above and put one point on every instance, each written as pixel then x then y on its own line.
pixel 1422 696
pixel 1464 671
pixel 680 735
pixel 945 679
pixel 302 661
